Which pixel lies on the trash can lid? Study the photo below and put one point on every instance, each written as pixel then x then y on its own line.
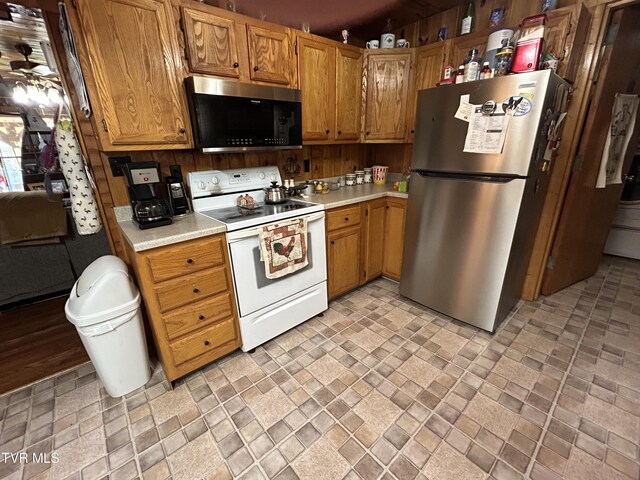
pixel 103 292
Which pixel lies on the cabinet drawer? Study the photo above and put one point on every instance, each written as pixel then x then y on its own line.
pixel 192 288
pixel 198 316
pixel 343 217
pixel 203 341
pixel 185 259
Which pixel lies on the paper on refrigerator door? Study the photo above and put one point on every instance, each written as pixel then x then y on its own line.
pixel 465 110
pixel 486 133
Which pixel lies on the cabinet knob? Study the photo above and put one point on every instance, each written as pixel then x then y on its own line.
pixel 327 131
pixel 366 133
pixel 206 342
pixel 255 69
pixel 201 317
pixel 236 64
pixel 196 290
pixel 346 219
pixel 189 261
pixel 333 242
pixel 182 130
pixel 339 132
pixel 413 131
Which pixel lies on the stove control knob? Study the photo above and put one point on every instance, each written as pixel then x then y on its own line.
pixel 215 180
pixel 261 175
pixel 200 185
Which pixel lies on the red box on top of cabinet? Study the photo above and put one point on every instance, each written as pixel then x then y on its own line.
pixel 527 55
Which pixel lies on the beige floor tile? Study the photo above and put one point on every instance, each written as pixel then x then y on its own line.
pixel 516 372
pixel 449 341
pixel 419 371
pixel 196 459
pixel 612 418
pixel 326 369
pixel 171 403
pixel 582 466
pixel 291 339
pixel 239 366
pixel 76 399
pixel 321 462
pixel 536 342
pixel 367 339
pixel 79 453
pixel 377 411
pixel 491 415
pixel 271 406
pixel 448 464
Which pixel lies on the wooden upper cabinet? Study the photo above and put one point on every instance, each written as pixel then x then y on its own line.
pixel 566 35
pixel 212 43
pixel 388 79
pixel 136 66
pixel 270 57
pixel 316 69
pixel 348 93
pixel 461 46
pixel 428 71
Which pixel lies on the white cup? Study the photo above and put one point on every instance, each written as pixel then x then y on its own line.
pixel 387 40
pixel 402 43
pixel 373 44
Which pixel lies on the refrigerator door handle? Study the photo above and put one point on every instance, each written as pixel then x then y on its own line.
pixel 469 177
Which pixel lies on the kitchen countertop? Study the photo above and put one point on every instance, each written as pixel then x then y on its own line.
pixel 358 193
pixel 185 228
pixel 194 225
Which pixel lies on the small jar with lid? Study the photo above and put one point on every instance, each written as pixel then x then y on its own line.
pixel 359 177
pixel 368 175
pixel 350 179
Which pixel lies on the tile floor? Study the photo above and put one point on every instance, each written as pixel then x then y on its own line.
pixel 377 388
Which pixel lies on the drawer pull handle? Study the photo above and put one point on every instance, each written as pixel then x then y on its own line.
pixel 346 219
pixel 189 261
pixel 196 290
pixel 256 68
pixel 201 317
pixel 327 131
pixel 206 342
pixel 236 65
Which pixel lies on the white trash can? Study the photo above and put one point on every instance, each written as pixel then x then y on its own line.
pixel 104 305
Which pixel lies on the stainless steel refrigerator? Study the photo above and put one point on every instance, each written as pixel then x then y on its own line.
pixel 472 217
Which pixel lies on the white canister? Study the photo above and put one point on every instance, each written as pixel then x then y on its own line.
pixel 359 177
pixel 387 40
pixel 368 175
pixel 350 179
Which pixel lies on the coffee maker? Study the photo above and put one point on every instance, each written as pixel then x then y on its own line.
pixel 177 193
pixel 146 192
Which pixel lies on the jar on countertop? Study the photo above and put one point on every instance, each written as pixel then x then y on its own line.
pixel 350 179
pixel 359 177
pixel 368 175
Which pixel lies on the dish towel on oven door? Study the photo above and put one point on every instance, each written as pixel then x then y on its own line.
pixel 283 247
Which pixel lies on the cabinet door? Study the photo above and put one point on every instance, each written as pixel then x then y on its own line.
pixel 211 43
pixel 375 211
pixel 316 65
pixel 461 46
pixel 388 77
pixel 134 57
pixel 394 237
pixel 343 259
pixel 428 66
pixel 348 93
pixel 269 55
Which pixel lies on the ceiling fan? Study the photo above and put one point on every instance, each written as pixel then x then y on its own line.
pixel 26 66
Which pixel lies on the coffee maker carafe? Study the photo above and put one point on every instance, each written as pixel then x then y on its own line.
pixel 146 192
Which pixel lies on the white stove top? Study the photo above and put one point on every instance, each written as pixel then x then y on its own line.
pixel 215 193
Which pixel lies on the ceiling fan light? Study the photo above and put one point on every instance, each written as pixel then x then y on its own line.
pixel 53 95
pixel 20 93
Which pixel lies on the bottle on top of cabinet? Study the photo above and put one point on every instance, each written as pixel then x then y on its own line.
pixel 460 74
pixel 473 67
pixel 486 71
pixel 467 20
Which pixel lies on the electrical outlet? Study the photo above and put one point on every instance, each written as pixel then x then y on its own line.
pixel 307 166
pixel 116 165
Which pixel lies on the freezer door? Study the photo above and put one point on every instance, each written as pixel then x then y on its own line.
pixel 458 239
pixel 439 139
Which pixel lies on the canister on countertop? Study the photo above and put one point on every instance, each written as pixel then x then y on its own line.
pixel 368 175
pixel 350 179
pixel 359 177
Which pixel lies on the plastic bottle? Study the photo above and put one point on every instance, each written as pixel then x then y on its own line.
pixel 467 20
pixel 460 74
pixel 472 70
pixel 486 71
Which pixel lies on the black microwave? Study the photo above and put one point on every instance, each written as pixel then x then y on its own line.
pixel 229 116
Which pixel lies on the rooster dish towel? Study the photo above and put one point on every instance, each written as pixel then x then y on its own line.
pixel 283 247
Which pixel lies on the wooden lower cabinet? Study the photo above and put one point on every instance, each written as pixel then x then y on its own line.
pixel 190 303
pixel 396 209
pixel 364 241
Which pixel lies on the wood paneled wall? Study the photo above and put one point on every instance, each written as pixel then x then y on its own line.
pixel 397 156
pixel 324 161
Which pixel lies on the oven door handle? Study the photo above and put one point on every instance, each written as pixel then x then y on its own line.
pixel 254 232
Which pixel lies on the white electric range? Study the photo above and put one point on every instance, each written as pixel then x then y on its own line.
pixel 266 307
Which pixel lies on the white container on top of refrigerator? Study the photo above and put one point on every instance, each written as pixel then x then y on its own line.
pixel 471 217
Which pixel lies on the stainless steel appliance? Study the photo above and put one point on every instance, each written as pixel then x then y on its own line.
pixel 177 193
pixel 472 217
pixel 228 116
pixel 150 207
pixel 266 307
